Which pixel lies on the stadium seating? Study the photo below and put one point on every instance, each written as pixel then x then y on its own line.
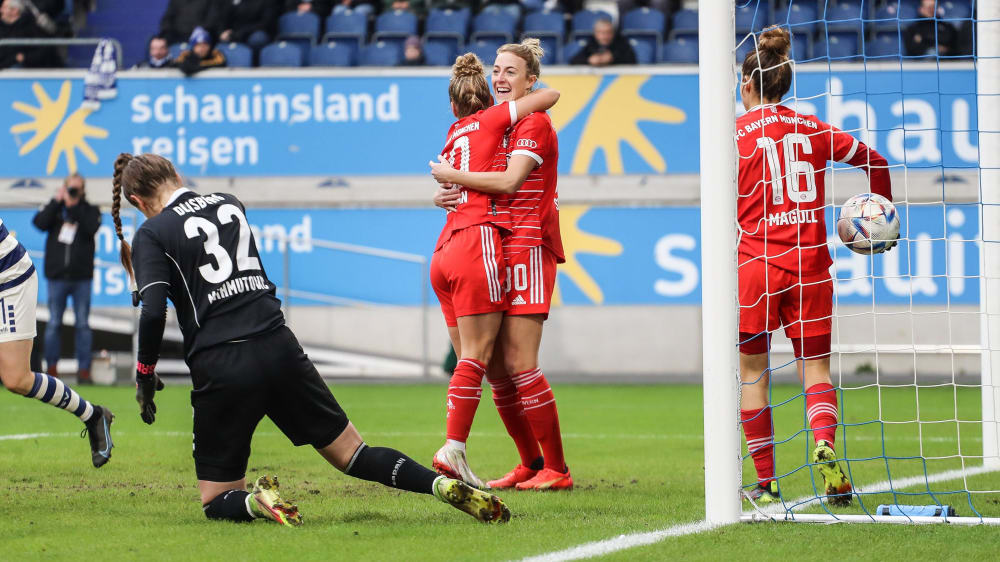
pixel 801 47
pixel 486 50
pixel 394 27
pixel 281 53
pixel 838 46
pixel 439 54
pixel 583 23
pixel 550 28
pixel 175 50
pixel 333 53
pixel 645 52
pixel 955 9
pixel 349 25
pixel 381 53
pixel 571 49
pixel 844 16
pixel 883 45
pixel 237 55
pixel 494 25
pixel 893 16
pixel 752 17
pixel 299 29
pixel 680 50
pixel 684 22
pixel 743 47
pixel 447 27
pixel 801 18
pixel 646 26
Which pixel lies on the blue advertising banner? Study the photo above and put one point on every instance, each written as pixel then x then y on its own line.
pixel 331 125
pixel 615 256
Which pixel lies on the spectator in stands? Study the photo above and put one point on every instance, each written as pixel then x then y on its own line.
pixel 16 23
pixel 928 36
pixel 605 47
pixel 416 6
pixel 159 54
pixel 413 52
pixel 182 16
pixel 71 223
pixel 201 55
pixel 248 21
pixel 319 7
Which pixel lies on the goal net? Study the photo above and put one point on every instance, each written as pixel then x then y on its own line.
pixel 915 341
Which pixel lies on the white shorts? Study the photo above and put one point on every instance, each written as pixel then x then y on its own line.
pixel 17 311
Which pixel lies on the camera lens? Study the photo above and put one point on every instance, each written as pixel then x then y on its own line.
pixel 73 191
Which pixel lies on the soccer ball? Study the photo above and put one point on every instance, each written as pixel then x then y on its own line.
pixel 868 224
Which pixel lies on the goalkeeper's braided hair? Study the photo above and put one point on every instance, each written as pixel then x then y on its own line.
pixel 767 67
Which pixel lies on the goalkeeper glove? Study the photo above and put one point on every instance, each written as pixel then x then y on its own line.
pixel 146 385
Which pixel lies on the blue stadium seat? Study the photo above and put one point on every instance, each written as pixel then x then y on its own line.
pixel 281 53
pixel 752 17
pixel 680 50
pixel 294 25
pixel 447 26
pixel 545 24
pixel 550 45
pixel 801 47
pixel 349 25
pixel 395 27
pixel 645 52
pixel 838 46
pixel 175 50
pixel 439 54
pixel 801 17
pixel 583 23
pixel 486 50
pixel 645 24
pixel 894 16
pixel 381 53
pixel 684 22
pixel 333 53
pixel 955 10
pixel 883 45
pixel 237 55
pixel 743 48
pixel 571 49
pixel 494 25
pixel 513 10
pixel 844 16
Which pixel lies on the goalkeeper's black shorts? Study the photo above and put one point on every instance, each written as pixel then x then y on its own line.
pixel 236 384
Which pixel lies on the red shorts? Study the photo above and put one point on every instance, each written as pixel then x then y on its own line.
pixel 772 297
pixel 531 278
pixel 468 273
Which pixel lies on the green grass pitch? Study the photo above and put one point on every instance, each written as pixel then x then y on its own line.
pixel 635 453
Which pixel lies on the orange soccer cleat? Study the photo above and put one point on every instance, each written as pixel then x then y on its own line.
pixel 520 474
pixel 548 479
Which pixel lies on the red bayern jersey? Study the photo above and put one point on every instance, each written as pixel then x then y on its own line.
pixel 471 146
pixel 783 159
pixel 534 207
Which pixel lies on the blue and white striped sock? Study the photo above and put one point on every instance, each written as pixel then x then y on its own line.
pixel 57 393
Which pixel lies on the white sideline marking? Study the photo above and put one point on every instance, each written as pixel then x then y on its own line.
pixel 624 542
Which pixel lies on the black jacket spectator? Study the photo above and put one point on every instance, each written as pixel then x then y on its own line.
pixel 928 36
pixel 321 8
pixel 620 50
pixel 17 23
pixel 74 262
pixel 182 16
pixel 243 17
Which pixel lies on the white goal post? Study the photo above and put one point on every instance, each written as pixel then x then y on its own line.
pixel 718 168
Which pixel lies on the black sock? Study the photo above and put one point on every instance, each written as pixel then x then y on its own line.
pixel 230 505
pixel 537 464
pixel 392 468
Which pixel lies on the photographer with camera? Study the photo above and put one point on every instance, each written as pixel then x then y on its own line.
pixel 71 223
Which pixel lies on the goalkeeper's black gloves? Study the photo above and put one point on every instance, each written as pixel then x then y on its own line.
pixel 146 385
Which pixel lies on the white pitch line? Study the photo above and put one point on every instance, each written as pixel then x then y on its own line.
pixel 625 542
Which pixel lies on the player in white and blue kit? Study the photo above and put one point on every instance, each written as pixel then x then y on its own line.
pixel 18 296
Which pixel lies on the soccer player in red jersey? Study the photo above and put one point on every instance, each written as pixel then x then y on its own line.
pixel 784 262
pixel 526 170
pixel 468 269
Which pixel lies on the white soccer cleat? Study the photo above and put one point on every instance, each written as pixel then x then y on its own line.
pixel 450 461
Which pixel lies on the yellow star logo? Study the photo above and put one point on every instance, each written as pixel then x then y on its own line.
pixel 47 117
pixel 576 241
pixel 613 120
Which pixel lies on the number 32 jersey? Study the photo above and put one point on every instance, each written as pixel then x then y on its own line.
pixel 202 248
pixel 783 158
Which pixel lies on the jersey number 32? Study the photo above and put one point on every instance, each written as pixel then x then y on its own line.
pixel 195 226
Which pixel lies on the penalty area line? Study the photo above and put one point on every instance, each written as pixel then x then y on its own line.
pixel 633 540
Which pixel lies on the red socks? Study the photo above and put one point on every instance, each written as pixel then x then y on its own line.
pixel 509 407
pixel 760 441
pixel 821 410
pixel 540 408
pixel 463 398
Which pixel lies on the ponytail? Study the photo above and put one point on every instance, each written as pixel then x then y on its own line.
pixel 125 254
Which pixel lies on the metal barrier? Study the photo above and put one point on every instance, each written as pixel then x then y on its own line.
pixel 65 43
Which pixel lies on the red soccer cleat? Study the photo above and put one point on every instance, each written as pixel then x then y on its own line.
pixel 520 474
pixel 548 479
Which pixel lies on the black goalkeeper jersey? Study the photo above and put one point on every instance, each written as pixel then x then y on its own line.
pixel 201 247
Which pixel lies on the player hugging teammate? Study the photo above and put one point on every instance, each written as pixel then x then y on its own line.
pixel 784 263
pixel 522 180
pixel 245 363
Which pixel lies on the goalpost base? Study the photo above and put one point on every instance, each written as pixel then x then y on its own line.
pixel 894 519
